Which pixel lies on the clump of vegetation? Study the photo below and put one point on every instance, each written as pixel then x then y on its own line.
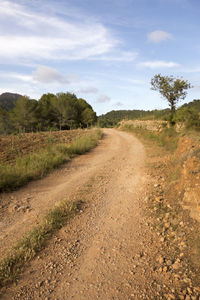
pixel 190 117
pixel 37 165
pixel 85 143
pixel 168 138
pixel 35 240
pixel 31 167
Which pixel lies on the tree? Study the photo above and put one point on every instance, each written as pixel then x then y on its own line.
pixel 46 114
pixel 6 125
pixel 173 89
pixel 82 105
pixel 88 117
pixel 24 114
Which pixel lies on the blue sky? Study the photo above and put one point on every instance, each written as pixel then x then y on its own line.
pixel 103 51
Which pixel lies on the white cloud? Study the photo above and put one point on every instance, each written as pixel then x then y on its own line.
pixel 88 90
pixel 18 76
pixel 159 36
pixel 45 74
pixel 103 99
pixel 156 64
pixel 35 36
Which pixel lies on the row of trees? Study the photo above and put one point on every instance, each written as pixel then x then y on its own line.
pixel 60 111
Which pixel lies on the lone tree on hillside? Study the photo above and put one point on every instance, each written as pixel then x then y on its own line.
pixel 173 89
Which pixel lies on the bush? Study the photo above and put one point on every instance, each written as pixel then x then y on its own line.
pixel 189 116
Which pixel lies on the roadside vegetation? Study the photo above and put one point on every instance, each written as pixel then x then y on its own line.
pixel 168 138
pixel 174 164
pixel 35 240
pixel 37 165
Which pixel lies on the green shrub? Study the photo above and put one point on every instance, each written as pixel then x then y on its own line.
pixel 168 139
pixel 189 116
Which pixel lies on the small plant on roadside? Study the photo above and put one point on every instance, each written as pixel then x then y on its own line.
pixel 36 239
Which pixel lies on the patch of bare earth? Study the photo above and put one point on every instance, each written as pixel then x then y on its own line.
pixel 111 249
pixel 15 146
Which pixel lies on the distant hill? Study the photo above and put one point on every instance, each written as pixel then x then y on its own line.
pixel 113 117
pixel 7 100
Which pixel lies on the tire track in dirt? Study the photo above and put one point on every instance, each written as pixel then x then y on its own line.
pixel 95 255
pixel 23 209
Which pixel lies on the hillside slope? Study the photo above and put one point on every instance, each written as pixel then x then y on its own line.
pixel 113 117
pixel 7 100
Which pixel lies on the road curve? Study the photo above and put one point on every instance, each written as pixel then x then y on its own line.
pixel 92 257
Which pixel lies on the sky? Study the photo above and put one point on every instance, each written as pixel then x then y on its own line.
pixel 103 51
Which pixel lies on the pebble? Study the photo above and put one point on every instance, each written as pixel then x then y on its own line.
pixel 161 260
pixel 167 225
pixel 168 263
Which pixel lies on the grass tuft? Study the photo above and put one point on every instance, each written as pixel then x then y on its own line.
pixel 35 240
pixel 31 167
pixel 168 138
pixel 85 143
pixel 37 165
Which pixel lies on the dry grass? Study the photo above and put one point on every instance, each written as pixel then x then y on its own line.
pixel 168 138
pixel 16 146
pixel 36 239
pixel 37 165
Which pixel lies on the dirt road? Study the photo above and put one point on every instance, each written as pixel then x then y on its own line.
pixel 107 251
pixel 22 209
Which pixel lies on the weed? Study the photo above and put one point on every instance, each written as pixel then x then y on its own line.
pixel 85 143
pixel 37 165
pixel 168 138
pixel 36 239
pixel 31 167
